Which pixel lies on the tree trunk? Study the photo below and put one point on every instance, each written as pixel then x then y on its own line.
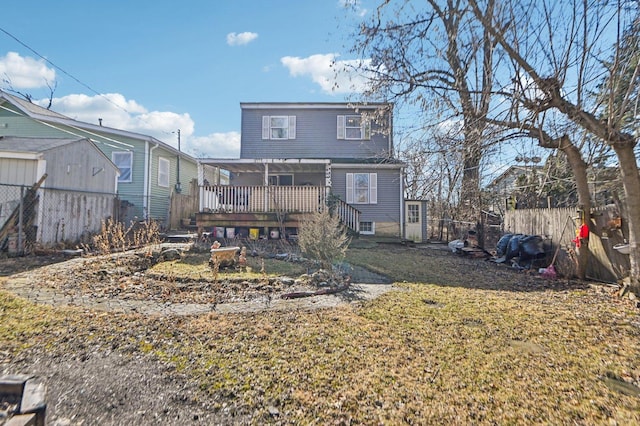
pixel 470 184
pixel 631 184
pixel 579 169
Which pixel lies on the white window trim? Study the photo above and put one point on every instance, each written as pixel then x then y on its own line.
pixel 365 128
pixel 373 228
pixel 130 155
pixel 266 127
pixel 373 188
pixel 163 171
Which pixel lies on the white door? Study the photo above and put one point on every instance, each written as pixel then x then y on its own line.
pixel 413 221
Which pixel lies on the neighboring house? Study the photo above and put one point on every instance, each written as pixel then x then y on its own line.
pixel 297 158
pixel 504 189
pixel 150 170
pixel 78 186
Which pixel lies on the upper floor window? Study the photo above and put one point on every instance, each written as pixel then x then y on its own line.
pixel 124 162
pixel 279 127
pixel 362 188
pixel 353 127
pixel 163 172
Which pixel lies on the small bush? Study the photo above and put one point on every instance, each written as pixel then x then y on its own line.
pixel 321 237
pixel 114 237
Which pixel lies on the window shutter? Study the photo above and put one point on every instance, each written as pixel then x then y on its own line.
pixel 341 127
pixel 373 188
pixel 365 128
pixel 265 126
pixel 350 195
pixel 292 127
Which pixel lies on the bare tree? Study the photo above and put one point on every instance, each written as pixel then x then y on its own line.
pixel 438 59
pixel 433 169
pixel 559 51
pixel 28 96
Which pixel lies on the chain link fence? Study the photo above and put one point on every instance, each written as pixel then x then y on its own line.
pixel 33 217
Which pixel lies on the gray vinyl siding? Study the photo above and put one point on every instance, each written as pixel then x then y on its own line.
pixel 389 196
pixel 315 136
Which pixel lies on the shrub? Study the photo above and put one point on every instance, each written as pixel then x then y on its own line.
pixel 114 236
pixel 323 238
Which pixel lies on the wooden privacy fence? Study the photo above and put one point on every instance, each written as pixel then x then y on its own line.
pixel 560 225
pixel 183 206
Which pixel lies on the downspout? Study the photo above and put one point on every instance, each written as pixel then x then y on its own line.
pixel 402 224
pixel 391 153
pixel 146 204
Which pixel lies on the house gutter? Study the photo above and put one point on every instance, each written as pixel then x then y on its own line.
pixel 402 217
pixel 147 178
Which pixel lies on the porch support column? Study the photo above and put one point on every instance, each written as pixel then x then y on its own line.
pixel 327 182
pixel 266 187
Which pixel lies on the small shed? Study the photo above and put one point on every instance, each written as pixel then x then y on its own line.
pixel 415 215
pixel 78 191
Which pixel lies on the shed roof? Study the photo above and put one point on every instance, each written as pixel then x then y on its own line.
pixel 20 144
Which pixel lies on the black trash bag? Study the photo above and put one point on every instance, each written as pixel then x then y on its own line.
pixel 513 249
pixel 503 243
pixel 531 248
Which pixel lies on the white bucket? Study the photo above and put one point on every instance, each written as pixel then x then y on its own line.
pixel 12 247
pixel 219 232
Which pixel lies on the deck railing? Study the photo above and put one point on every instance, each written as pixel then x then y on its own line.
pixel 273 199
pixel 261 199
pixel 349 215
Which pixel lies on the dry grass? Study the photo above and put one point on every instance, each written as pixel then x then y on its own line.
pixel 461 342
pixel 196 266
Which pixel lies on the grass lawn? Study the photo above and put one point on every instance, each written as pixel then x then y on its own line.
pixel 461 341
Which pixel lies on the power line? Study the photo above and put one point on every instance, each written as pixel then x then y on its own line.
pixel 77 80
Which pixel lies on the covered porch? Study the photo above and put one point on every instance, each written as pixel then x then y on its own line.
pixel 267 193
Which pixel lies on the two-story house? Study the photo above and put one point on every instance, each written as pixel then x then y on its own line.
pixel 150 170
pixel 297 158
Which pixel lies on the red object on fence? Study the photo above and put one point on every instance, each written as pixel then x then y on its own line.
pixel 584 231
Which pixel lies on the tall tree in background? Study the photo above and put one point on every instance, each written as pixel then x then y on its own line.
pixel 435 57
pixel 558 50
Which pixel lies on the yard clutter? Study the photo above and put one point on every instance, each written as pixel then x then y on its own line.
pixel 22 400
pixel 525 248
pixel 223 256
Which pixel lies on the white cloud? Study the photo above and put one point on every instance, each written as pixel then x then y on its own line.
pixel 331 75
pixel 234 39
pixel 119 113
pixel 215 145
pixel 25 72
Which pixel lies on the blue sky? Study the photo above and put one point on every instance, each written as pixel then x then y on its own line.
pixel 155 66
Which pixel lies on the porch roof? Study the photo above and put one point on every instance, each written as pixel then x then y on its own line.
pixel 257 165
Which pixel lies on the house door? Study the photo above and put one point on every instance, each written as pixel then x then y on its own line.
pixel 413 220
